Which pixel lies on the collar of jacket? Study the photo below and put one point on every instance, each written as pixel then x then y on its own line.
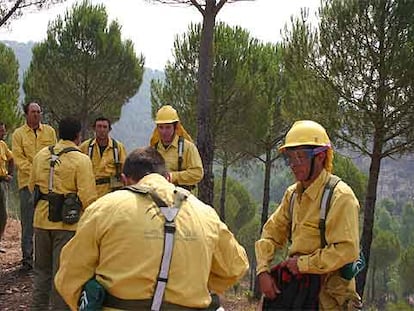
pixel 158 183
pixel 174 143
pixel 61 144
pixel 110 142
pixel 28 128
pixel 316 187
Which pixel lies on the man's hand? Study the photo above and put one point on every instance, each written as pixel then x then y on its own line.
pixel 168 176
pixel 268 286
pixel 292 264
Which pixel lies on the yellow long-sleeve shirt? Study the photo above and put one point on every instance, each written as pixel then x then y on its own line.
pixel 5 156
pixel 104 166
pixel 192 168
pixel 121 239
pixel 25 144
pixel 342 234
pixel 73 174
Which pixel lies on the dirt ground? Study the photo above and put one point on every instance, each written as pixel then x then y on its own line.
pixel 16 286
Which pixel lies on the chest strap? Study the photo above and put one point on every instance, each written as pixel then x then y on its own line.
pixel 115 151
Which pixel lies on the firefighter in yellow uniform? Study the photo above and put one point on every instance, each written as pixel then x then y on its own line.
pixel 121 238
pixel 308 152
pixel 177 148
pixel 6 176
pixel 27 140
pixel 63 184
pixel 107 155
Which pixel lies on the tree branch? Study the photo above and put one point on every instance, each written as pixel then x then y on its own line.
pixel 198 6
pixel 11 12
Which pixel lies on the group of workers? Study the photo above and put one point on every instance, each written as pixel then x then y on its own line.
pixel 126 232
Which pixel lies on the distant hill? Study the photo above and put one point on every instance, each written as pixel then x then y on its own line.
pixel 135 125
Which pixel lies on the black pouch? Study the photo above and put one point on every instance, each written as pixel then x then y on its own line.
pixel 71 209
pixel 298 292
pixel 55 206
pixel 36 195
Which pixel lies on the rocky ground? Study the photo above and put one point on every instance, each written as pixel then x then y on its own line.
pixel 16 285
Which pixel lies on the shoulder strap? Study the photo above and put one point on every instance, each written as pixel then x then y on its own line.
pixel 325 205
pixel 169 230
pixel 115 150
pixel 55 159
pixel 116 158
pixel 180 152
pixel 169 212
pixel 67 149
pixel 291 204
pixel 90 148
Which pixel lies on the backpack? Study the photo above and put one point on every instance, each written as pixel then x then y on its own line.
pixel 350 270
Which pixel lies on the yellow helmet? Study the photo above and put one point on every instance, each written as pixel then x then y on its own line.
pixel 166 114
pixel 309 133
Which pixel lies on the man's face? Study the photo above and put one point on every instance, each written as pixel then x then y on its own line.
pixel 34 114
pixel 2 131
pixel 102 129
pixel 299 161
pixel 166 132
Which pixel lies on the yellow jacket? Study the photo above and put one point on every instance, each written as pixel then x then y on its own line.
pixel 5 156
pixel 73 174
pixel 104 166
pixel 25 144
pixel 121 239
pixel 342 236
pixel 192 167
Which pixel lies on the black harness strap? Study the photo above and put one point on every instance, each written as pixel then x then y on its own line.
pixel 324 207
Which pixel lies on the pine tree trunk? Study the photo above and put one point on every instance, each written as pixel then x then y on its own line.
pixel 223 193
pixel 369 210
pixel 266 189
pixel 205 142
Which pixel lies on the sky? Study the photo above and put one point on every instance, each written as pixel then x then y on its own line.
pixel 153 27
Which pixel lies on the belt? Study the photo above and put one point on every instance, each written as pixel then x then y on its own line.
pixel 43 196
pixel 142 304
pixel 103 180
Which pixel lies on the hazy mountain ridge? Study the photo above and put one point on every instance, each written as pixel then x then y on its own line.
pixel 136 125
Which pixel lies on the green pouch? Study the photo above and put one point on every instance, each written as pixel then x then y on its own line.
pixel 351 269
pixel 92 296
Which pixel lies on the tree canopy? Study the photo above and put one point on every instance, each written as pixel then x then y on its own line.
pixel 9 87
pixel 83 68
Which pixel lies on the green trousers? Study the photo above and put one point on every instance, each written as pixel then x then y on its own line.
pixel 47 248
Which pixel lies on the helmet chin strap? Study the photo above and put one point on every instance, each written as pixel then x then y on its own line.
pixel 312 168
